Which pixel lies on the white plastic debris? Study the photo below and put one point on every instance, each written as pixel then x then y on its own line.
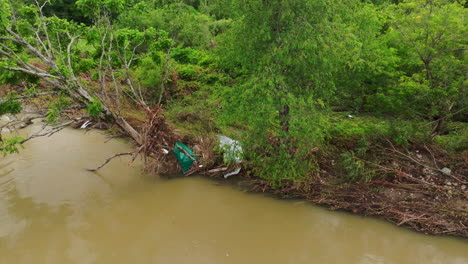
pixel 232 173
pixel 232 152
pixel 85 124
pixel 232 149
pixel 446 171
pixel 165 151
pixel 350 116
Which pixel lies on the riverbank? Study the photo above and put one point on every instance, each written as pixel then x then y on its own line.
pixel 419 186
pixel 414 189
pixel 53 211
pixel 411 195
pixel 411 206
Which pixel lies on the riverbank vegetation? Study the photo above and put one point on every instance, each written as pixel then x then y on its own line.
pixel 358 105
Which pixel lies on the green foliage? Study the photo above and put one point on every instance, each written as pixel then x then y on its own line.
pixel 370 65
pixel 53 112
pixel 94 108
pixel 193 114
pixel 296 55
pixel 355 168
pixel 457 138
pixel 221 9
pixel 126 40
pixel 274 154
pixel 185 25
pixel 149 75
pixel 401 132
pixel 93 8
pixel 188 72
pixel 66 9
pixel 50 36
pixel 430 37
pixel 13 77
pixel 10 107
pixel 10 146
pixel 5 13
pixel 186 55
pixel 82 61
pixel 235 66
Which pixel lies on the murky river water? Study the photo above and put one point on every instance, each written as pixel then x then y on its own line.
pixel 54 211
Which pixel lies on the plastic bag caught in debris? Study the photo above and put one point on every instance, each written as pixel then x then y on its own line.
pixel 232 173
pixel 184 155
pixel 232 149
pixel 232 153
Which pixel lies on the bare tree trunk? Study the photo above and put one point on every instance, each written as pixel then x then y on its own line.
pixel 439 123
pixel 166 75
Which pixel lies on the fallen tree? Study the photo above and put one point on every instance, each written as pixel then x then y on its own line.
pixel 46 48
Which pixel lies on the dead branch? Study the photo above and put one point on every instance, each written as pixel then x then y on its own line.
pixel 432 155
pixel 19 40
pixel 166 74
pixel 27 96
pixel 408 157
pixel 157 138
pixel 218 170
pixel 111 158
pixel 48 132
pixel 27 120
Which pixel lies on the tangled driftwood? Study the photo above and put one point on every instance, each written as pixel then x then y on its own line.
pixel 158 140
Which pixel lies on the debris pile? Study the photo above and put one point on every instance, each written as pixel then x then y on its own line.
pixel 158 137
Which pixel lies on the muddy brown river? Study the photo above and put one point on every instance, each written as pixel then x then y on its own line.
pixel 54 211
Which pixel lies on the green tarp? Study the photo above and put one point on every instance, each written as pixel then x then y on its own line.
pixel 184 155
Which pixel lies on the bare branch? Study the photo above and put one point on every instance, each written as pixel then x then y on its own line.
pixel 32 72
pixel 49 51
pixel 39 39
pixel 132 58
pixel 109 66
pixel 70 44
pixel 166 74
pixel 26 44
pixel 27 96
pixel 15 122
pixel 11 54
pixel 111 158
pixel 7 38
pixel 49 132
pixel 102 73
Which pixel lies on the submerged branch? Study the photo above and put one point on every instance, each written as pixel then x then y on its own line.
pixel 46 132
pixel 111 158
